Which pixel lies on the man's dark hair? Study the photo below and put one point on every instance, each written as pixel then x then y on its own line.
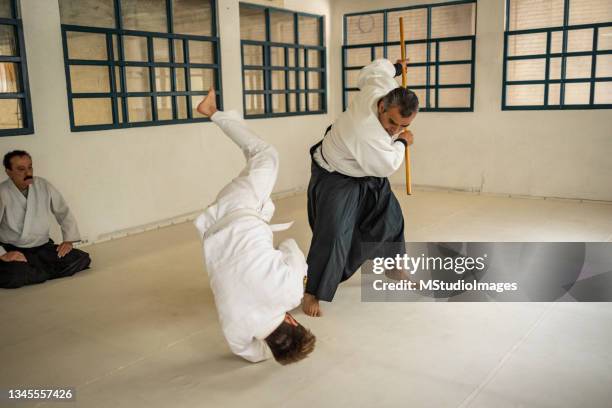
pixel 404 99
pixel 10 155
pixel 290 344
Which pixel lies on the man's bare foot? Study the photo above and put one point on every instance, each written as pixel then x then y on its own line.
pixel 208 106
pixel 310 305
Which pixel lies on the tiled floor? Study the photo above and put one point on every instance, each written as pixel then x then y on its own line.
pixel 140 328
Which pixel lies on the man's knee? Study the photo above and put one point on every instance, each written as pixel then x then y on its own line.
pixel 75 261
pixel 17 274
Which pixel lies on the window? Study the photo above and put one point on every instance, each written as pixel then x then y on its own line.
pixel 15 105
pixel 138 62
pixel 283 62
pixel 557 54
pixel 440 45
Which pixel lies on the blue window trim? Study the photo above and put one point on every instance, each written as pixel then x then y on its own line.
pixel 121 82
pixel 564 54
pixel 267 68
pixel 23 81
pixel 435 61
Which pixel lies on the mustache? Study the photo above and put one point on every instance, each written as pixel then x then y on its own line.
pixel 28 178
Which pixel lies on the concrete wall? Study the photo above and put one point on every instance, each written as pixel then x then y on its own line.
pixel 116 180
pixel 537 153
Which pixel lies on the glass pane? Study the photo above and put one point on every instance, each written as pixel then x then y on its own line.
pixel 164 108
pixel 535 14
pixel 301 80
pixel 577 93
pixel 414 52
pixel 140 109
pixel 302 102
pixel 314 80
pixel 364 29
pixel 120 110
pixel 161 50
pixel 85 78
pixel 252 23
pixel 453 21
pixel 118 79
pixel 201 52
pixel 301 58
pixel 453 51
pixel 252 54
pixel 201 79
pixel 580 40
pixel 292 79
pixel 9 77
pixel 278 79
pixel 137 79
pixel 144 15
pixel 253 80
pixel 11 114
pixel 92 111
pixel 135 48
pixel 292 102
pixel 87 46
pixel 527 44
pixel 414 76
pixel 277 56
pixel 555 68
pixel 590 11
pixel 554 94
pixel 192 17
pixel 309 30
pixel 179 73
pixel 524 95
pixel 313 58
pixel 162 80
pixel 314 102
pixel 79 12
pixel 8 44
pixel 415 24
pixel 604 40
pixel 254 104
pixel 6 9
pixel 279 103
pixel 556 42
pixel 291 57
pixel 195 101
pixel 116 54
pixel 179 55
pixel 181 107
pixel 523 70
pixel 578 67
pixel 603 92
pixel 603 66
pixel 457 74
pixel 282 27
pixel 358 57
pixel 351 78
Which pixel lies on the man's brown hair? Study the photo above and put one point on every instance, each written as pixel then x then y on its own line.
pixel 290 344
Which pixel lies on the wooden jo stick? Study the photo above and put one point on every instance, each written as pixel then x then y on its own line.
pixel 407 151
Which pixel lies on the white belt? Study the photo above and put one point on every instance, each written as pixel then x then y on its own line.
pixel 242 212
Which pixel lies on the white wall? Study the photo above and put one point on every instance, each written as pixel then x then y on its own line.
pixel 125 178
pixel 540 153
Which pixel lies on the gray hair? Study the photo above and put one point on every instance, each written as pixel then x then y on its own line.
pixel 404 99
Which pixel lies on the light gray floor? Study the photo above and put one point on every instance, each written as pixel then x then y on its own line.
pixel 140 328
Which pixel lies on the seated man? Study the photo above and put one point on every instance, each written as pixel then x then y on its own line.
pixel 27 254
pixel 254 284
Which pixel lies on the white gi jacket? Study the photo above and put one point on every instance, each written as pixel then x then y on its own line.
pixel 357 144
pixel 254 284
pixel 25 222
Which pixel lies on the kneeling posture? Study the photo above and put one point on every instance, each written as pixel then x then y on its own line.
pixel 254 284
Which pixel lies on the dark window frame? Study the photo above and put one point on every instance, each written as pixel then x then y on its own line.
pixel 564 29
pixel 267 68
pixel 153 94
pixel 436 63
pixel 23 80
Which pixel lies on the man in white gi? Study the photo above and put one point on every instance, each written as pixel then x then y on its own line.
pixel 27 254
pixel 350 202
pixel 255 285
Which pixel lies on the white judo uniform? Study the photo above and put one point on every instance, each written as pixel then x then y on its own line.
pixel 254 284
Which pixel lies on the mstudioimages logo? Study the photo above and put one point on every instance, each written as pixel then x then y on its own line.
pixel 488 271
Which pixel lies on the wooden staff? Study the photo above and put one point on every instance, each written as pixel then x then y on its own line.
pixel 407 151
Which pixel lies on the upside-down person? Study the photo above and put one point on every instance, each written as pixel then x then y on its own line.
pixel 352 211
pixel 255 285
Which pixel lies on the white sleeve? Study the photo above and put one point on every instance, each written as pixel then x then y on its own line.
pixel 255 351
pixel 2 250
pixel 388 153
pixel 70 230
pixel 377 74
pixel 294 258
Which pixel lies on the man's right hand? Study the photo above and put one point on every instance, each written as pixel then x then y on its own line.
pixel 13 256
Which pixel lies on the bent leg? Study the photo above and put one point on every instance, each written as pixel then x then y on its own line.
pixel 73 262
pixel 17 274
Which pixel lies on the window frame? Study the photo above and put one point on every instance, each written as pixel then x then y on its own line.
pixel 24 82
pixel 428 63
pixel 548 55
pixel 120 62
pixel 267 67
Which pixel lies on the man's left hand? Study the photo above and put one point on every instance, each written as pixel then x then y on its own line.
pixel 407 136
pixel 63 249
